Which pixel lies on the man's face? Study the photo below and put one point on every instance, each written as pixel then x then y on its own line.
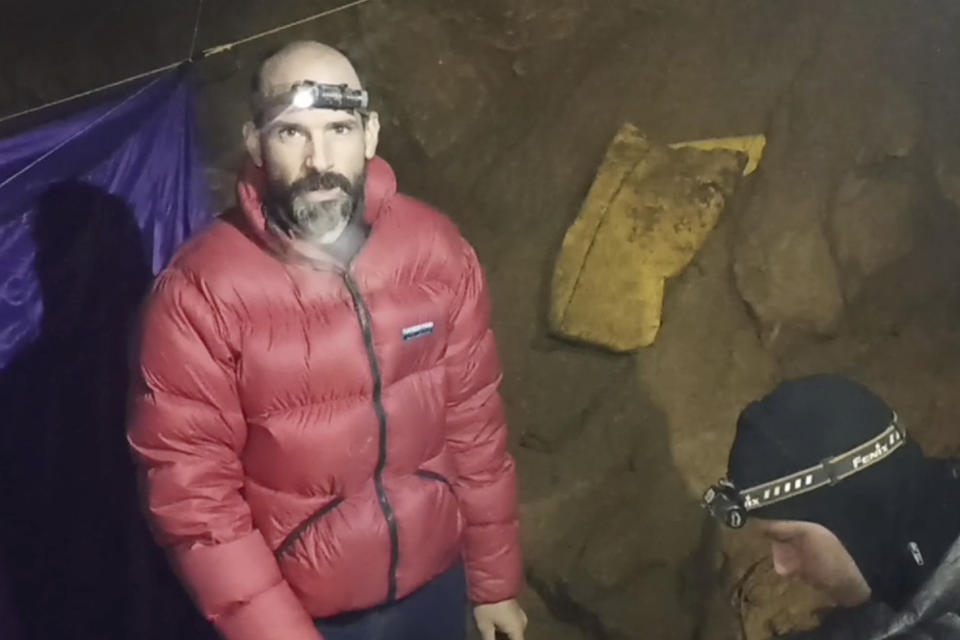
pixel 315 161
pixel 812 553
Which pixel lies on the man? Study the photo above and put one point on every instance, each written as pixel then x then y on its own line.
pixel 824 470
pixel 318 417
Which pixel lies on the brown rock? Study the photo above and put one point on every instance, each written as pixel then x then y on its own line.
pixel 871 224
pixel 784 269
pixel 513 25
pixel 701 374
pixel 833 118
pixel 609 524
pixel 437 92
pixel 772 606
pixel 948 173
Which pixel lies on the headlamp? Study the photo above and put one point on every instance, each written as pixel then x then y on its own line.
pixel 303 98
pixel 724 504
pixel 730 505
pixel 308 94
pixel 313 95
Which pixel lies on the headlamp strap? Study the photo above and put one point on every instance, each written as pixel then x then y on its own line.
pixel 829 472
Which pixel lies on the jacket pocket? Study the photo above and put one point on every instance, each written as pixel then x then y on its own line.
pixel 432 475
pixel 301 528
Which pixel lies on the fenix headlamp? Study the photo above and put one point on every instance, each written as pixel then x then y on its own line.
pixel 731 505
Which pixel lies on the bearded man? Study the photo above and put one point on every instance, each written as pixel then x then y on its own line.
pixel 317 417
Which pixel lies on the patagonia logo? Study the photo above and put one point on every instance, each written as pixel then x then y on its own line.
pixel 417 331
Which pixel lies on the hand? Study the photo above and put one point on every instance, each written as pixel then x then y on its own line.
pixel 506 617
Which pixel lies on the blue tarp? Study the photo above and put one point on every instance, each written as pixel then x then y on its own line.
pixel 91 207
pixel 140 151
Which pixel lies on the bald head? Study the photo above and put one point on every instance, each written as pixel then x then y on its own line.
pixel 314 154
pixel 303 60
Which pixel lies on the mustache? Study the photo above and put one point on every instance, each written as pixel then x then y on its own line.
pixel 316 181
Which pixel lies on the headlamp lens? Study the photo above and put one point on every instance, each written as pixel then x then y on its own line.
pixel 303 98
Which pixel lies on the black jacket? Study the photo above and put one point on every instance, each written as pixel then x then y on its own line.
pixel 933 613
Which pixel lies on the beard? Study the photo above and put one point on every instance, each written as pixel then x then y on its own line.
pixel 293 210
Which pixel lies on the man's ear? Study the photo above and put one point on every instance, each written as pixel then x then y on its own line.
pixel 371 135
pixel 251 138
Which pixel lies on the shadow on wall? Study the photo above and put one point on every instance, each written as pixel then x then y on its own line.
pixel 76 558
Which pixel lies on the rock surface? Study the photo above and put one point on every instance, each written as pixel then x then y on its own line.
pixel 871 224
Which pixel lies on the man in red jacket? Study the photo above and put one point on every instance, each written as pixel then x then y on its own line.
pixel 317 415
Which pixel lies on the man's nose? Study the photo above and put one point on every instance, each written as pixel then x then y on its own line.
pixel 316 156
pixel 784 560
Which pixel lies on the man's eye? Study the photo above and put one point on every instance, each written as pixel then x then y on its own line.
pixel 286 133
pixel 341 129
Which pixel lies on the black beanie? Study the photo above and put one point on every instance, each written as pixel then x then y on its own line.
pixel 805 421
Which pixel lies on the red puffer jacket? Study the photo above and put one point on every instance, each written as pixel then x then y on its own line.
pixel 316 440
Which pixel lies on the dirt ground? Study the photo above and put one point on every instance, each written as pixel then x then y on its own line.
pixel 837 255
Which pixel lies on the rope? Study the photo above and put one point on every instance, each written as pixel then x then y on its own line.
pixel 323 14
pixel 196 30
pixel 82 94
pixel 82 131
pixel 203 54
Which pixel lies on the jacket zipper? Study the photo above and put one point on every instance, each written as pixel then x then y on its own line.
pixel 363 315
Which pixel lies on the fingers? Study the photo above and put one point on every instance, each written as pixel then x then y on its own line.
pixel 501 620
pixel 487 630
pixel 516 627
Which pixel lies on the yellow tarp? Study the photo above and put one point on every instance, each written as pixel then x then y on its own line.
pixel 648 211
pixel 753 146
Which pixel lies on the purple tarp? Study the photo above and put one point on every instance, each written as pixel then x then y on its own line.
pixel 141 150
pixel 91 207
